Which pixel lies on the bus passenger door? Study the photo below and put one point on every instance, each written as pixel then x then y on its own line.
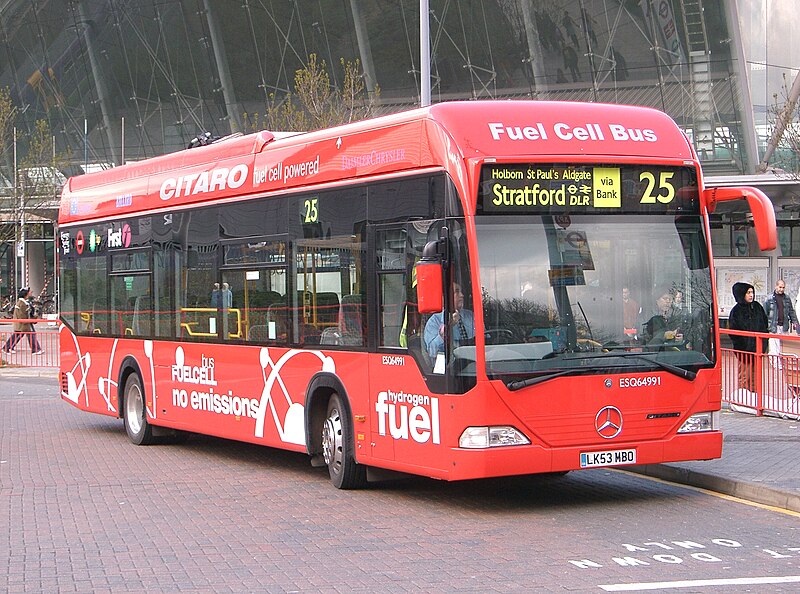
pixel 400 402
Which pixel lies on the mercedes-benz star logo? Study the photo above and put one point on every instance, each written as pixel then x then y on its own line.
pixel 608 422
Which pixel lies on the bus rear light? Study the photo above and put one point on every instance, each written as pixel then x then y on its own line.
pixel 489 437
pixel 706 421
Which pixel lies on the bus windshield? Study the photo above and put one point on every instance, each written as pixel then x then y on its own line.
pixel 595 291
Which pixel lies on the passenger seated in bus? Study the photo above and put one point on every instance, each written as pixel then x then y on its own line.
pixel 462 326
pixel 665 325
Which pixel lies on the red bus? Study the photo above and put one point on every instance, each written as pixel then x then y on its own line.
pixel 468 290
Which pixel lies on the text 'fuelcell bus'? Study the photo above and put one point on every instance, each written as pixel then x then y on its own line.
pixel 468 290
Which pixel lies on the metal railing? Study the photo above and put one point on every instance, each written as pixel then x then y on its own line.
pixel 37 348
pixel 763 382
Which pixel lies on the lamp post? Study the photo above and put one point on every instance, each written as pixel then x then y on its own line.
pixel 424 54
pixel 19 203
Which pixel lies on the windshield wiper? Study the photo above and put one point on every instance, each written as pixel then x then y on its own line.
pixel 673 369
pixel 532 381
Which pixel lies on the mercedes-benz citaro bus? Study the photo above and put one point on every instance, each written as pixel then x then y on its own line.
pixel 472 289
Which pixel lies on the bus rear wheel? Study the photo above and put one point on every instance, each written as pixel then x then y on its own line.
pixel 338 448
pixel 139 430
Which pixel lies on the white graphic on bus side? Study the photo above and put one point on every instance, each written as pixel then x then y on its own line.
pixel 74 386
pixel 290 426
pixel 292 429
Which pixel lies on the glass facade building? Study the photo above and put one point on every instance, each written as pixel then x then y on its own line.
pixel 120 80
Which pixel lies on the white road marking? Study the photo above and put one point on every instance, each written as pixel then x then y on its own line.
pixel 751 581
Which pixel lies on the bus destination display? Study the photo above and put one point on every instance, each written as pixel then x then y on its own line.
pixel 613 189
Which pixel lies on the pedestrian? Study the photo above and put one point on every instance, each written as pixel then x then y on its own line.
pixel 22 311
pixel 589 25
pixel 747 315
pixel 781 319
pixel 226 296
pixel 570 28
pixel 571 62
pixel 631 310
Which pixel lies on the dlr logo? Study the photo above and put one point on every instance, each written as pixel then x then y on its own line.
pixel 417 422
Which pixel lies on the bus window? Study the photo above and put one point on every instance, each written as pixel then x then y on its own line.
pixel 68 289
pixel 391 254
pixel 329 301
pixel 254 296
pixel 197 235
pixel 129 282
pixel 165 318
pixel 92 300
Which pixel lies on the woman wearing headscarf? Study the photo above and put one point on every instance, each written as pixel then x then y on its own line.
pixel 749 316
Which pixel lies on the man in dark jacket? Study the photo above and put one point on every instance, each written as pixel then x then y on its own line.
pixel 780 318
pixel 747 315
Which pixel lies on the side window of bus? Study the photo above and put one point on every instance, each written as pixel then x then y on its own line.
pixel 329 254
pixel 253 295
pixel 91 300
pixel 68 290
pixel 392 274
pixel 129 282
pixel 399 245
pixel 398 250
pixel 196 245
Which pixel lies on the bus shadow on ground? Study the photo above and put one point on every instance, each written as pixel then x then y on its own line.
pixel 577 489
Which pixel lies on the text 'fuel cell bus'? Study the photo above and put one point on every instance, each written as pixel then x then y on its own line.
pixel 462 291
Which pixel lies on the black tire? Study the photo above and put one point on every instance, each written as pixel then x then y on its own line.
pixel 338 448
pixel 139 430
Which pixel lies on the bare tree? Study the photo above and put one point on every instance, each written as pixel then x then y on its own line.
pixel 315 103
pixel 7 115
pixel 30 185
pixel 783 148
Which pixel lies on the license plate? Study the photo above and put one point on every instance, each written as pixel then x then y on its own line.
pixel 608 458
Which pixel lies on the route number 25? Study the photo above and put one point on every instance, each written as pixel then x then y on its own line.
pixel 310 209
pixel 666 191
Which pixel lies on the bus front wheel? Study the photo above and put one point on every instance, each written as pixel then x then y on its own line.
pixel 338 450
pixel 139 430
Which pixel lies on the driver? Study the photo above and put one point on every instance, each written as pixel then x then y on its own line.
pixel 665 325
pixel 462 326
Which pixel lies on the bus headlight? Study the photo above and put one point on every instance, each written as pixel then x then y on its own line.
pixel 707 421
pixel 489 437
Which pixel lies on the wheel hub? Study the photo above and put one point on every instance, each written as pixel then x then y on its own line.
pixel 133 409
pixel 332 450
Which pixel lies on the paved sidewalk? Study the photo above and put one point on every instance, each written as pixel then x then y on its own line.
pixel 29 372
pixel 760 462
pixel 760 456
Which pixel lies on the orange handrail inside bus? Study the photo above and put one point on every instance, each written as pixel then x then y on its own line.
pixel 189 326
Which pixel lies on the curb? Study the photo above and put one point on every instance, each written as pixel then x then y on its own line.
pixel 22 372
pixel 754 492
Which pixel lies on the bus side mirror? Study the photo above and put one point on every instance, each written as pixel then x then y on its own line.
pixel 760 206
pixel 429 280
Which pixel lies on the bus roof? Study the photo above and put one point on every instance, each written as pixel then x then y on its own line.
pixel 440 136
